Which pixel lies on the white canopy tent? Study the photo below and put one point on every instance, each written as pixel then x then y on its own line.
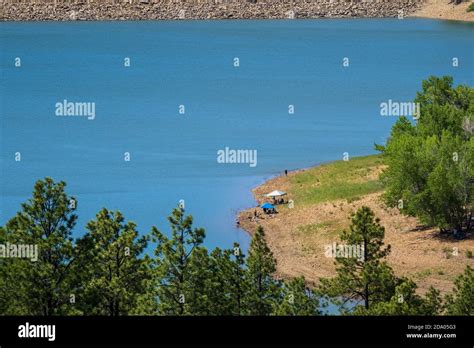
pixel 276 193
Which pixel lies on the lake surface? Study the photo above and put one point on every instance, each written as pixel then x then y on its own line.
pixel 173 156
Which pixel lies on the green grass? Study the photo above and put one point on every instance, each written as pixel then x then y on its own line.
pixel 336 180
pixel 470 8
pixel 326 227
pixel 423 274
pixel 448 252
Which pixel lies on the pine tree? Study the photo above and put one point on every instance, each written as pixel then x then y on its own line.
pixel 117 273
pixel 405 301
pixel 218 282
pixel 367 278
pixel 43 287
pixel 297 299
pixel 197 297
pixel 11 293
pixel 226 284
pixel 237 281
pixel 174 265
pixel 263 289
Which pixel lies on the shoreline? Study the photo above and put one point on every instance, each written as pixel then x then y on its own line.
pixel 297 236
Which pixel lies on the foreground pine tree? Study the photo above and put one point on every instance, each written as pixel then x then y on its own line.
pixel 226 285
pixel 297 299
pixel 179 265
pixel 115 273
pixel 405 301
pixel 43 287
pixel 368 278
pixel 237 281
pixel 263 289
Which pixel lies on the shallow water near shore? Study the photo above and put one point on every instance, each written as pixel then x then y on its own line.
pixel 173 156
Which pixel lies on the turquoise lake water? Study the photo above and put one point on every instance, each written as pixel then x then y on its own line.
pixel 191 63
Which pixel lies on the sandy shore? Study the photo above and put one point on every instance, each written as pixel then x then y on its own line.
pixel 442 9
pixel 297 237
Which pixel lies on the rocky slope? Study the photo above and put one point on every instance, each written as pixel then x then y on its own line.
pixel 201 9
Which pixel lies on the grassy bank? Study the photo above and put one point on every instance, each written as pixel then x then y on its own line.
pixel 337 180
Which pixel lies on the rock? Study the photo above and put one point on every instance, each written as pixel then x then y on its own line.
pixel 201 9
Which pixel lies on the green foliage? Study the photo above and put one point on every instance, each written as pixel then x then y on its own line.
pixel 336 180
pixel 470 8
pixel 227 286
pixel 431 164
pixel 405 302
pixel 108 272
pixel 42 287
pixel 461 302
pixel 367 278
pixel 235 274
pixel 114 273
pixel 297 299
pixel 263 289
pixel 176 261
pixel 372 280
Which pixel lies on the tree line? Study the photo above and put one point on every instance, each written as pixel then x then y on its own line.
pixel 108 272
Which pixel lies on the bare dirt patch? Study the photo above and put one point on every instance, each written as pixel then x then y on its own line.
pixel 443 9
